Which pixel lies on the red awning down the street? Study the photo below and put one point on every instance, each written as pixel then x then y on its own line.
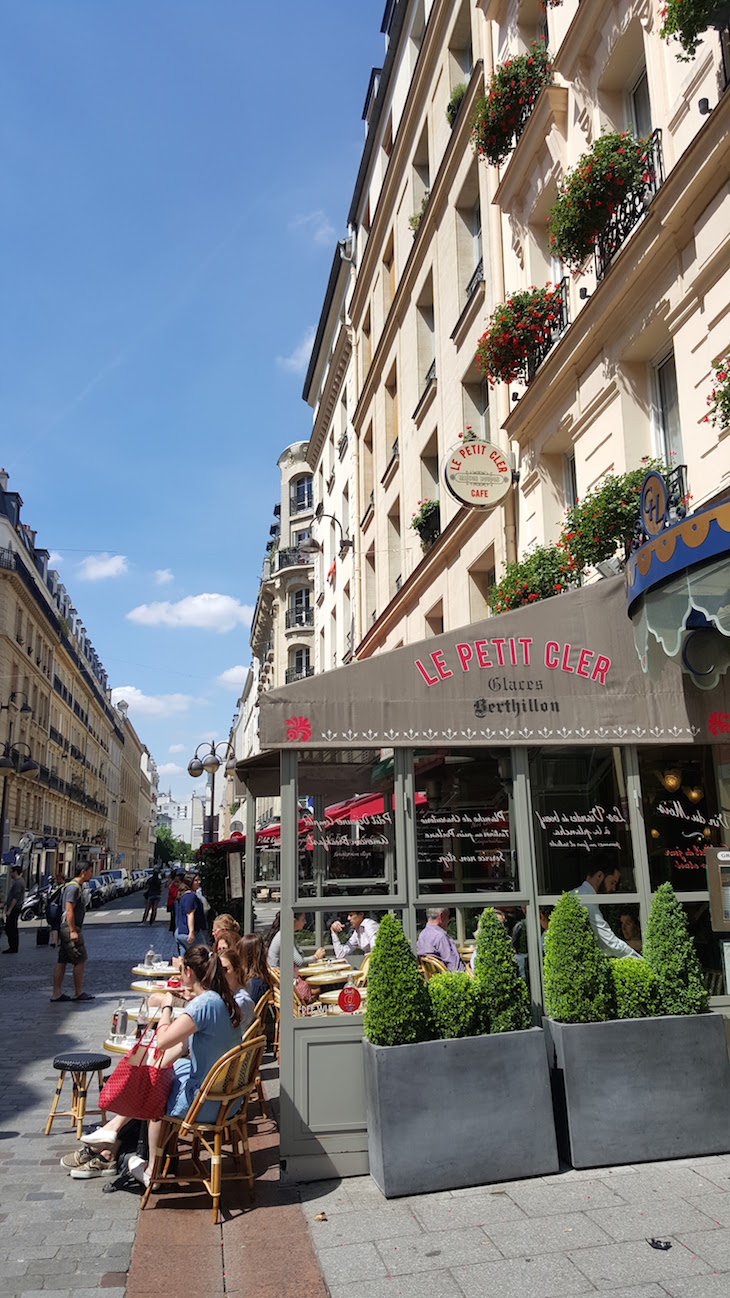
pixel 368 804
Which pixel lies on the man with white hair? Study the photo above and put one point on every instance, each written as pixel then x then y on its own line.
pixel 434 940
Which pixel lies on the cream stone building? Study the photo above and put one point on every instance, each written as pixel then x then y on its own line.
pixel 57 712
pixel 393 379
pixel 65 746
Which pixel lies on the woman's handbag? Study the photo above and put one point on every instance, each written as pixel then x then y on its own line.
pixel 138 1087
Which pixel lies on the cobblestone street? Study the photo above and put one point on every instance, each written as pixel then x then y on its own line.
pixel 56 1234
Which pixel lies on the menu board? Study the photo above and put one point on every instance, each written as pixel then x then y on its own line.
pixel 467 849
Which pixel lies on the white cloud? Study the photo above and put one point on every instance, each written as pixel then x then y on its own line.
pixel 97 567
pixel 163 576
pixel 152 706
pixel 169 768
pixel 210 612
pixel 233 677
pixel 316 223
pixel 54 558
pixel 296 362
pixel 176 748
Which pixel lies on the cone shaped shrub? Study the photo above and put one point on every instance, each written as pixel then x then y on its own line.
pixel 636 989
pixel 458 1005
pixel 398 1008
pixel 497 975
pixel 670 953
pixel 578 985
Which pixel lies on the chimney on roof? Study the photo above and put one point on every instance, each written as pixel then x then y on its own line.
pixel 4 479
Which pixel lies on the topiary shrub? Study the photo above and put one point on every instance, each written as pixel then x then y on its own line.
pixel 636 989
pixel 670 953
pixel 497 977
pixel 578 985
pixel 458 1005
pixel 398 1007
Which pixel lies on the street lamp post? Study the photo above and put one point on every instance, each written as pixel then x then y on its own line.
pixel 310 546
pixel 13 761
pixel 210 763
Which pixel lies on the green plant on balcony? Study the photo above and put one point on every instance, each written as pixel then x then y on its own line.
pixel 616 165
pixel 688 20
pixel 719 398
pixel 414 221
pixel 427 520
pixel 543 572
pixel 603 521
pixel 454 104
pixel 516 329
pixel 511 94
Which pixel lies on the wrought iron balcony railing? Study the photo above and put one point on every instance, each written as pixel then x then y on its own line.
pixel 298 674
pixel 476 279
pixel 536 358
pixel 299 617
pixel 290 557
pixel 631 208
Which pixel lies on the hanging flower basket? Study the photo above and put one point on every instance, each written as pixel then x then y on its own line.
pixel 719 399
pixel 427 521
pixel 541 574
pixel 517 328
pixel 615 166
pixel 500 116
pixel 688 20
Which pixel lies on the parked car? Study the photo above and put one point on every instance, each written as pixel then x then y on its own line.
pixel 111 884
pixel 122 880
pixel 97 892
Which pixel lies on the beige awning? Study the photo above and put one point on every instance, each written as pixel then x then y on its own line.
pixel 563 671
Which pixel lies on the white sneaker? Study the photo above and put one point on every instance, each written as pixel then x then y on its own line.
pixel 101 1139
pixel 136 1167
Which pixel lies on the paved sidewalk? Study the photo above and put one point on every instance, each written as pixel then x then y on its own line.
pixel 574 1233
pixel 57 1235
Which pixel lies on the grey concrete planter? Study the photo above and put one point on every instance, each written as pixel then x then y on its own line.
pixel 445 1114
pixel 640 1090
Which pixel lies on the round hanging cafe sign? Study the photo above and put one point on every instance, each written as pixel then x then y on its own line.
pixel 477 473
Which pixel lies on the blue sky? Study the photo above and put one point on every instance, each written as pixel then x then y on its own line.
pixel 173 177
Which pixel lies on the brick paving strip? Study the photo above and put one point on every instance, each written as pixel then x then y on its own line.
pixel 260 1251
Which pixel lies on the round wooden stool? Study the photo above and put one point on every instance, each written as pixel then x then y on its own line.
pixel 80 1064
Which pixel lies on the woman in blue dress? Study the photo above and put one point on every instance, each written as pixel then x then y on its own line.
pixel 209 1027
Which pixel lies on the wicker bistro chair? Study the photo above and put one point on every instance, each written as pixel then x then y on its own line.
pixel 361 977
pixel 274 976
pixel 257 1029
pixel 229 1081
pixel 428 965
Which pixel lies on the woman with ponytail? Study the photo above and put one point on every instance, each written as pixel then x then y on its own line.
pixel 210 1027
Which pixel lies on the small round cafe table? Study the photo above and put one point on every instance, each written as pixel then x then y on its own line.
pixel 154 971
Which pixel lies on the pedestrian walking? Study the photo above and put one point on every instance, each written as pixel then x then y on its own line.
pixel 152 896
pixel 72 948
pixel 13 903
pixel 172 893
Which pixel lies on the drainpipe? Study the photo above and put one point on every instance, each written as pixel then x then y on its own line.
pixel 355 601
pixel 496 262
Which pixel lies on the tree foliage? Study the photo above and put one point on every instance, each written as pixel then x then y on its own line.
pixel 398 1009
pixel 497 976
pixel 670 953
pixel 168 848
pixel 578 984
